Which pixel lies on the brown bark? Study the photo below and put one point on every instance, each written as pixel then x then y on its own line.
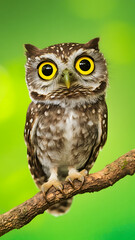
pixel 24 213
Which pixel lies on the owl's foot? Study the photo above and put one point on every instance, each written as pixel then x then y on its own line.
pixel 55 183
pixel 75 175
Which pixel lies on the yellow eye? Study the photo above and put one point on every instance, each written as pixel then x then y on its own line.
pixel 47 70
pixel 84 65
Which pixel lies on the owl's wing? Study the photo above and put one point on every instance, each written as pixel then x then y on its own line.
pixel 32 118
pixel 102 135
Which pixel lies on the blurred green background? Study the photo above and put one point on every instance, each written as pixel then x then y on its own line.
pixel 110 213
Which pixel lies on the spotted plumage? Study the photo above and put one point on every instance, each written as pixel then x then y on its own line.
pixel 66 123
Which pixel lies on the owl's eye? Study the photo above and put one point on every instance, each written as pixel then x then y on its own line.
pixel 84 65
pixel 47 70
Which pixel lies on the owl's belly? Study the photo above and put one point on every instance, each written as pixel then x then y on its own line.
pixel 67 141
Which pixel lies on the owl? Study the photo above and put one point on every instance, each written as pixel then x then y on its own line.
pixel 66 122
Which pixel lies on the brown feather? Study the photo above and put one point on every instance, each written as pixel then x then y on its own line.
pixel 31 50
pixel 92 44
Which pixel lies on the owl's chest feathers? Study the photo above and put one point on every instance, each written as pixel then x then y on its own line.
pixel 65 136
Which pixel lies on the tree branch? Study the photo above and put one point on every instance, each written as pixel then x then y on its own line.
pixel 24 213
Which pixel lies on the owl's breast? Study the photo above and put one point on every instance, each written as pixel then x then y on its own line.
pixel 65 137
pixel 78 136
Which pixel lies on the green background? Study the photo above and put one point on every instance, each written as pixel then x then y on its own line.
pixel 110 213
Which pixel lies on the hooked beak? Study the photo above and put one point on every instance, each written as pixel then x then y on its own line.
pixel 66 78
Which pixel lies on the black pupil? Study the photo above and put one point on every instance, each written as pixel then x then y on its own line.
pixel 47 70
pixel 85 65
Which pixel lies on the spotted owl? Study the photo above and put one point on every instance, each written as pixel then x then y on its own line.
pixel 66 122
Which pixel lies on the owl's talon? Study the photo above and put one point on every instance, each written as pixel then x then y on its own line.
pixel 76 176
pixel 84 172
pixel 60 187
pixel 52 183
pixel 68 179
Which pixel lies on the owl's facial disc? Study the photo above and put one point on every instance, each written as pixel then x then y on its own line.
pixel 68 70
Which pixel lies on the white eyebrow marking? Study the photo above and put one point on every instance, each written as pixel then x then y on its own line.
pixel 31 120
pixel 37 58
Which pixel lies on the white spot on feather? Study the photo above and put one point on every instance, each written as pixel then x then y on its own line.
pixel 90 123
pixel 46 113
pixel 52 96
pixel 58 111
pixel 62 56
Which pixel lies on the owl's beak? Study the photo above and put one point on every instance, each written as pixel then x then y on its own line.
pixel 66 78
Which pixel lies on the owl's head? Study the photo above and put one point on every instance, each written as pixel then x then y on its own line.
pixel 66 71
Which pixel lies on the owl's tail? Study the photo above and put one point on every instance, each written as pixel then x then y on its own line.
pixel 59 209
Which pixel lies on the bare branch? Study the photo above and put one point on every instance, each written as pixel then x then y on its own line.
pixel 24 213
